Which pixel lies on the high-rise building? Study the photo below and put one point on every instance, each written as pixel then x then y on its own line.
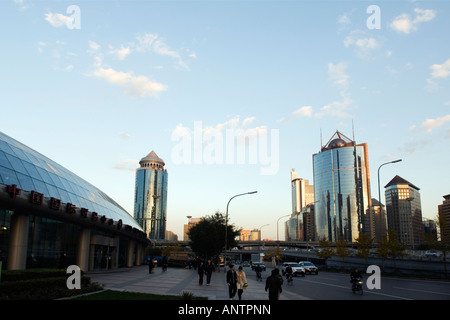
pixel 302 192
pixel 404 212
pixel 191 222
pixel 379 219
pixel 342 198
pixel 150 202
pixel 444 210
pixel 298 225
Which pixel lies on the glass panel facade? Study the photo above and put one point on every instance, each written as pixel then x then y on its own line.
pixel 150 201
pixel 341 189
pixel 31 171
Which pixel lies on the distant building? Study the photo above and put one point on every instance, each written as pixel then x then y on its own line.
pixel 191 222
pixel 379 219
pixel 404 212
pixel 171 236
pixel 444 210
pixel 302 192
pixel 245 235
pixel 430 229
pixel 150 205
pixel 255 235
pixel 342 207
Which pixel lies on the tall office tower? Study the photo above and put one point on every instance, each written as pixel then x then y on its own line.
pixel 150 201
pixel 342 205
pixel 444 210
pixel 302 192
pixel 403 209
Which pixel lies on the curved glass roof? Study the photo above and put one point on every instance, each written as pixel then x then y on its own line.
pixel 32 171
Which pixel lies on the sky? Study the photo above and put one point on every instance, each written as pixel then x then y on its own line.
pixel 98 85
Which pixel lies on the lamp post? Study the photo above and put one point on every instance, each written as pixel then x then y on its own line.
pixel 379 192
pixel 226 225
pixel 260 230
pixel 279 221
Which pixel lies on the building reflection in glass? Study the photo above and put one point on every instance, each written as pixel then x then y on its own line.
pixel 342 190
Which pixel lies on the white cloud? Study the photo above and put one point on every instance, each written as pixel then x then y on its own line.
pixel 305 111
pixel 127 165
pixel 362 43
pixel 431 124
pixel 121 53
pixel 441 70
pixel 337 73
pixel 438 71
pixel 94 45
pixel 58 20
pixel 404 23
pixel 136 86
pixel 336 108
pixel 149 42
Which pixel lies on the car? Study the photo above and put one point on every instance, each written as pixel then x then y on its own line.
pixel 309 267
pixel 246 264
pixel 432 253
pixel 254 264
pixel 296 268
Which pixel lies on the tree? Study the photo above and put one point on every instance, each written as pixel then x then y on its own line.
pixel 390 246
pixel 363 244
pixel 326 252
pixel 443 245
pixel 207 238
pixel 341 248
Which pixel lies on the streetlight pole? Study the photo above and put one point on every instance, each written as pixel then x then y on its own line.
pixel 226 225
pixel 279 221
pixel 379 192
pixel 260 230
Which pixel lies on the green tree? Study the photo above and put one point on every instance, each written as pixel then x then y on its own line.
pixel 390 246
pixel 207 238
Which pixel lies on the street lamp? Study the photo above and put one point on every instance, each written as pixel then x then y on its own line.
pixel 260 230
pixel 279 221
pixel 226 224
pixel 379 192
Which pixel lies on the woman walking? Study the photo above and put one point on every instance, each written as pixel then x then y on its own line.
pixel 241 282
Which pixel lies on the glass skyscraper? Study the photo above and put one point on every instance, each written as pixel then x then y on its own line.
pixel 342 190
pixel 150 205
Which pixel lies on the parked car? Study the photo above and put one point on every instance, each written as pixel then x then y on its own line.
pixel 246 264
pixel 296 268
pixel 309 267
pixel 432 253
pixel 263 267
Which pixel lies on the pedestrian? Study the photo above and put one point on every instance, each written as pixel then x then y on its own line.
pixel 209 270
pixel 150 265
pixel 231 282
pixel 273 284
pixel 201 272
pixel 241 282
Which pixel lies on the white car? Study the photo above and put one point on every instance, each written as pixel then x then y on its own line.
pixel 296 268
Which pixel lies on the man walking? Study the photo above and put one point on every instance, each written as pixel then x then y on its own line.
pixel 273 284
pixel 209 270
pixel 232 282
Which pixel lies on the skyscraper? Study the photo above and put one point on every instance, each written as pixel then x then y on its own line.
pixel 302 192
pixel 444 213
pixel 404 212
pixel 150 201
pixel 342 189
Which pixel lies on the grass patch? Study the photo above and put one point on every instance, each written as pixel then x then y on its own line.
pixel 126 295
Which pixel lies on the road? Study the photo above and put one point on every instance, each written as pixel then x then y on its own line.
pixel 336 286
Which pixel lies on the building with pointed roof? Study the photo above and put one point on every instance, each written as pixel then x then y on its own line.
pixel 150 202
pixel 404 211
pixel 342 207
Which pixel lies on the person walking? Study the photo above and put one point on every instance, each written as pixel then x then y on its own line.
pixel 150 265
pixel 273 284
pixel 201 272
pixel 209 268
pixel 241 282
pixel 231 282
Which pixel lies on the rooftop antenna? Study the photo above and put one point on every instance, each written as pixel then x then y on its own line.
pixel 353 133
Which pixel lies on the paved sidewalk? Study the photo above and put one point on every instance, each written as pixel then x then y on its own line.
pixel 175 281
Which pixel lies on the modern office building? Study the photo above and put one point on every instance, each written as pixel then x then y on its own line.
pixel 404 212
pixel 342 198
pixel 191 222
pixel 302 192
pixel 444 212
pixel 150 202
pixel 50 217
pixel 379 219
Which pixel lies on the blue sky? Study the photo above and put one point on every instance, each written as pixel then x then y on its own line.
pixel 97 88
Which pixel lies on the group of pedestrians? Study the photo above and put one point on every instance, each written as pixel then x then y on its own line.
pixel 205 269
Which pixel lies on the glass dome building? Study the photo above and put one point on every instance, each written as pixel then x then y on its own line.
pixel 50 217
pixel 342 190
